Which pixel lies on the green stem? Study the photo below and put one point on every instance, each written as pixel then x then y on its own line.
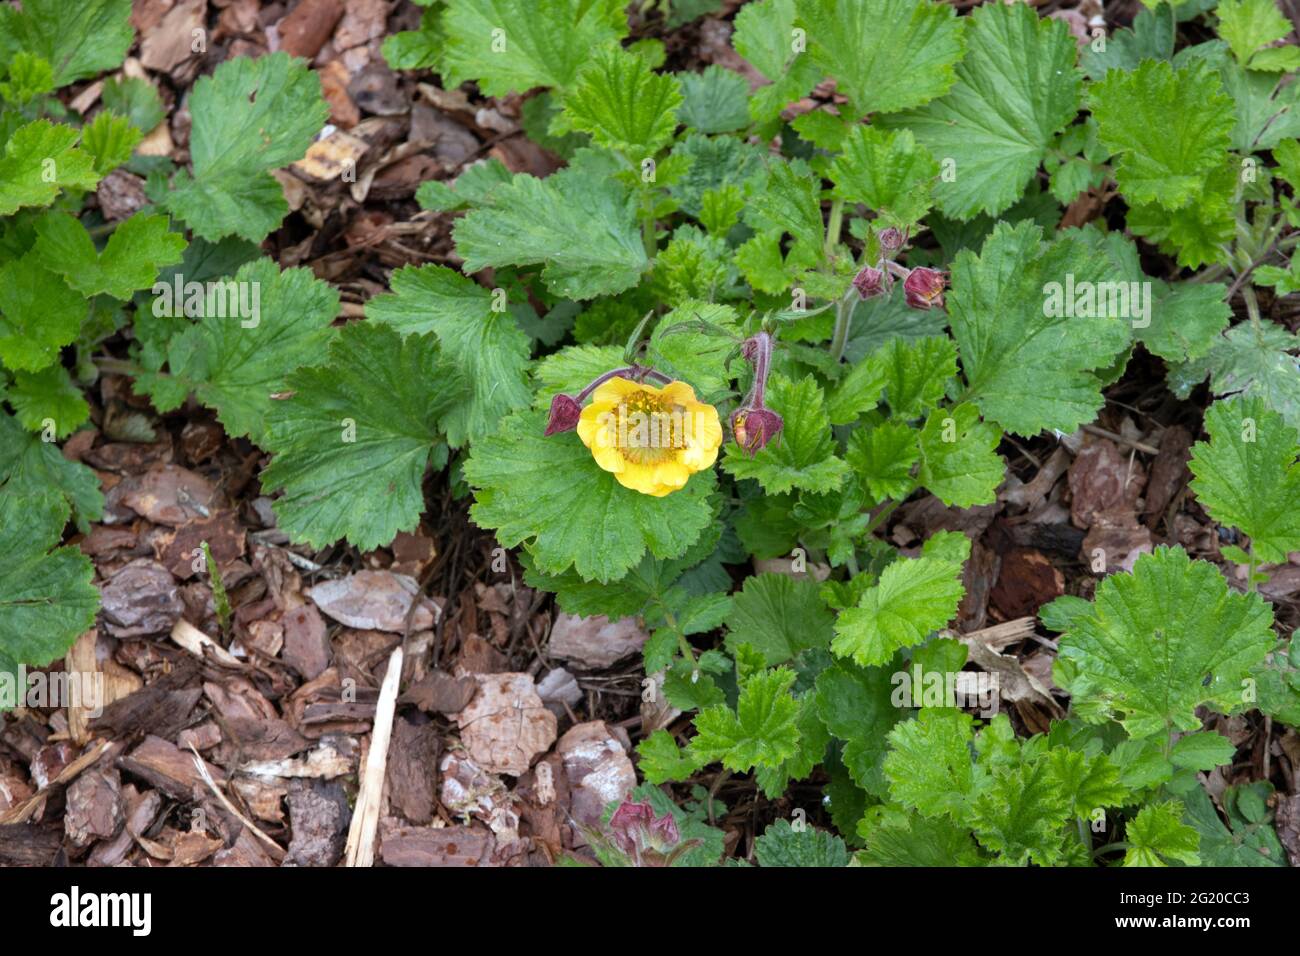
pixel 834 227
pixel 843 320
pixel 881 517
pixel 1111 848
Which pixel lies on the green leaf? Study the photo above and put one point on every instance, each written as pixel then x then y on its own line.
pixel 789 201
pixel 695 356
pixel 624 104
pixel 1157 834
pixel 661 760
pixel 1247 476
pixel 29 77
pixel 760 732
pixel 916 841
pixel 881 459
pixel 1248 843
pixel 49 395
pixel 1165 639
pixel 916 373
pixel 783 845
pixel 1252 361
pixel 929 765
pixel 764 35
pixel 885 55
pixel 803 454
pixel 486 343
pixel 31 468
pixel 250 116
pixel 1019 813
pixel 135 99
pixel 77 39
pixel 1169 129
pixel 1150 38
pixel 39 314
pixel 715 100
pixel 958 455
pixel 1202 751
pixel 511 46
pixel 888 171
pixel 779 616
pixel 1248 25
pixel 46 597
pixel 1087 783
pixel 550 490
pixel 859 391
pixel 39 161
pixel 234 362
pixel 353 441
pixel 534 222
pixel 110 139
pixel 134 253
pixel 914 597
pixel 1028 370
pixel 856 705
pixel 1016 88
pixel 1187 318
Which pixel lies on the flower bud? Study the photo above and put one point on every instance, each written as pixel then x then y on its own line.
pixel 754 428
pixel 565 412
pixel 891 239
pixel 923 288
pixel 869 282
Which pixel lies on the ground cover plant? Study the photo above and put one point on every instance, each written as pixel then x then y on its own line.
pixel 915 386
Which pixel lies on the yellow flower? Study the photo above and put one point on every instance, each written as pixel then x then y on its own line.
pixel 651 439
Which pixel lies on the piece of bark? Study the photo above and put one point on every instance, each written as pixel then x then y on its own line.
pixel 306 646
pixel 595 642
pixel 1027 580
pixel 141 598
pixel 440 693
pixel 94 807
pixel 374 600
pixel 163 709
pixel 425 846
pixel 598 769
pixel 412 770
pixel 170 43
pixel 304 31
pixel 334 79
pixel 506 725
pixel 318 816
pixel 169 769
pixel 180 551
pixel 170 495
pixel 1169 473
pixel 1102 478
pixel 477 656
pixel 246 851
pixel 25 845
pixel 192 848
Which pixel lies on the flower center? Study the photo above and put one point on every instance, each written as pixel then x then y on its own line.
pixel 647 429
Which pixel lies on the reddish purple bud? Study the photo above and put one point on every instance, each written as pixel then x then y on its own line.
pixel 565 412
pixel 755 427
pixel 892 239
pixel 869 282
pixel 664 834
pixel 629 823
pixel 924 288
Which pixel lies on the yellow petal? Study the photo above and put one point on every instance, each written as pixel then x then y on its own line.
pixel 673 474
pixel 608 458
pixel 590 423
pixel 616 389
pixel 680 393
pixel 642 478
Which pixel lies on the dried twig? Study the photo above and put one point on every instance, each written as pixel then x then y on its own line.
pixel 365 818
